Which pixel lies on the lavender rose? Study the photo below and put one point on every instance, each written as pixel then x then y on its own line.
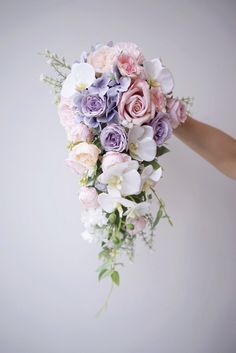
pixel 89 108
pixel 114 138
pixel 162 128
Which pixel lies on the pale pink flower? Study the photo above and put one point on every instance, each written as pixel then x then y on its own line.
pixel 130 49
pixel 128 66
pixel 79 133
pixel 112 158
pixel 158 98
pixel 88 197
pixel 177 111
pixel 82 157
pixel 102 58
pixel 136 106
pixel 139 225
pixel 66 112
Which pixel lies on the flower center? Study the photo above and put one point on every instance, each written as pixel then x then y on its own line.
pixel 133 147
pixel 115 181
pixel 154 83
pixel 80 86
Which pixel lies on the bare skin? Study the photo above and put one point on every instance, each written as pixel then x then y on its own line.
pixel 214 145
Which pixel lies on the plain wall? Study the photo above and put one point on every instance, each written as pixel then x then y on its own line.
pixel 179 298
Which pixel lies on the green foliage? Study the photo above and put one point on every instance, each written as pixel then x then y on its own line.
pixel 115 277
pixel 162 150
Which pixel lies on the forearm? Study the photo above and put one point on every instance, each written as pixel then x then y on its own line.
pixel 217 147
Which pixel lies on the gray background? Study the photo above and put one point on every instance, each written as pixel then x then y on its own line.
pixel 180 298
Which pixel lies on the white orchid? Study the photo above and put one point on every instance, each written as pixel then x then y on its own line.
pixel 141 144
pixel 137 210
pixel 113 200
pixel 123 177
pixel 149 177
pixel 157 74
pixel 82 75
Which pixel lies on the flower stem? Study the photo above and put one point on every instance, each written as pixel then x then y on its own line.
pixel 104 306
pixel 163 207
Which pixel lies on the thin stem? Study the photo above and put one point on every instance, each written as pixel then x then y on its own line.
pixel 163 207
pixel 104 306
pixel 58 71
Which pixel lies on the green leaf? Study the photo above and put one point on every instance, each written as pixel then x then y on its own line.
pixel 105 265
pixel 104 273
pixel 104 254
pixel 115 277
pixel 155 164
pixel 162 150
pixel 158 217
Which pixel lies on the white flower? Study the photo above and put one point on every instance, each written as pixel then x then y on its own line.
pixel 141 144
pixel 138 210
pixel 123 177
pixel 157 73
pixel 87 236
pixel 111 201
pixel 149 177
pixel 93 217
pixel 82 75
pixel 94 221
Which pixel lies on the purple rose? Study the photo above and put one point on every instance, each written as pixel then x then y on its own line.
pixel 89 107
pixel 162 128
pixel 114 138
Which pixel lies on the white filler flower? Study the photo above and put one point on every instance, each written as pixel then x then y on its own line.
pixel 157 74
pixel 141 144
pixel 82 76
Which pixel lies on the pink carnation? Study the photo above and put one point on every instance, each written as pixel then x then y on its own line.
pixel 132 50
pixel 128 66
pixel 158 98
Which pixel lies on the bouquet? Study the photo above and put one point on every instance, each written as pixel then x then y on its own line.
pixel 118 111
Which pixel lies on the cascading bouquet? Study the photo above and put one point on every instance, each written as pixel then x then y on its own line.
pixel 118 111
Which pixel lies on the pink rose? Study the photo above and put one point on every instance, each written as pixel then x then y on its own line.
pixel 102 59
pixel 79 133
pixel 136 106
pixel 158 98
pixel 66 112
pixel 111 158
pixel 88 197
pixel 177 111
pixel 82 157
pixel 128 66
pixel 139 225
pixel 132 50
